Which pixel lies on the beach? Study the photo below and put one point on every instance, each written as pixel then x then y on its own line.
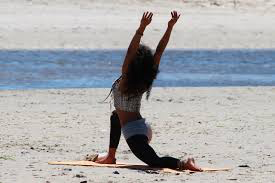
pixel 230 127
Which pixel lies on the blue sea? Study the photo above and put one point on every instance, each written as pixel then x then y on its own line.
pixel 43 69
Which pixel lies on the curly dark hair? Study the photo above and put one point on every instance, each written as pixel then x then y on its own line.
pixel 141 73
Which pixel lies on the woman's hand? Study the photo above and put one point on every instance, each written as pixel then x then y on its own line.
pixel 165 38
pixel 134 45
pixel 174 19
pixel 146 19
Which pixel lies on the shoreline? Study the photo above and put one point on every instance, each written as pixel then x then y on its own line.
pixel 154 87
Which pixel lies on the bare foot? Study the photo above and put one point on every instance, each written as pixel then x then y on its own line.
pixel 101 156
pixel 91 157
pixel 106 160
pixel 190 164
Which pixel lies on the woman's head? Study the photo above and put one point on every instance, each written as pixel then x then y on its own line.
pixel 141 72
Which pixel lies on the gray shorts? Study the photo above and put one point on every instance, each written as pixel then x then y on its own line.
pixel 138 127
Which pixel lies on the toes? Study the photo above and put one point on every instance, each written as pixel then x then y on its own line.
pixel 193 160
pixel 92 157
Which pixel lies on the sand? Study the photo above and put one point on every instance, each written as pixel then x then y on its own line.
pixel 220 127
pixel 88 24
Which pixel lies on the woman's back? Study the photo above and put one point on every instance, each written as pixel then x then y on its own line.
pixel 127 106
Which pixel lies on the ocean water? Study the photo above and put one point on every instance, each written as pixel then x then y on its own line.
pixel 31 69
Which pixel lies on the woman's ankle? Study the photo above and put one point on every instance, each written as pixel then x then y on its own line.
pixel 181 164
pixel 112 152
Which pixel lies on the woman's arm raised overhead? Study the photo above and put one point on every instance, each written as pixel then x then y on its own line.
pixel 134 45
pixel 164 40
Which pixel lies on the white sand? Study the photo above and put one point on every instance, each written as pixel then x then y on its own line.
pixel 220 127
pixel 88 24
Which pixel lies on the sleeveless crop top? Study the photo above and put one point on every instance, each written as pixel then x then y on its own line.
pixel 123 102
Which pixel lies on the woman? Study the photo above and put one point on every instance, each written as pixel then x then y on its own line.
pixel 139 70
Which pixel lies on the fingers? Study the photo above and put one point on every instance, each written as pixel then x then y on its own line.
pixel 175 15
pixel 147 15
pixel 150 15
